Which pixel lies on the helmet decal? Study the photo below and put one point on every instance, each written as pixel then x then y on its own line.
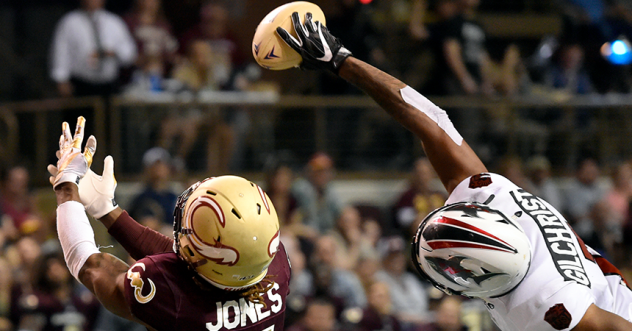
pixel 263 197
pixel 273 245
pixel 206 201
pixel 217 252
pixel 446 232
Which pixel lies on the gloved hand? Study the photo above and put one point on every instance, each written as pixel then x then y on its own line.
pixel 318 48
pixel 96 192
pixel 72 165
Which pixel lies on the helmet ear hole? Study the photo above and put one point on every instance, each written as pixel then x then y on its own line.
pixel 236 214
pixel 211 192
pixel 258 209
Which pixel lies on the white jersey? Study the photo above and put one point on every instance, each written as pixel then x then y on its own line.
pixel 565 276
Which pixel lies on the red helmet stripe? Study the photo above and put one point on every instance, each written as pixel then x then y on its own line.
pixel 439 244
pixel 273 245
pixel 457 223
pixel 263 197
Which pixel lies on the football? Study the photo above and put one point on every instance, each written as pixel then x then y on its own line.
pixel 269 50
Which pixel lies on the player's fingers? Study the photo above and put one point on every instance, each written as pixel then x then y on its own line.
pixel 309 24
pixel 91 147
pixel 66 136
pixel 51 179
pixel 78 138
pixel 300 30
pixel 62 144
pixel 108 168
pixel 289 39
pixel 58 154
pixel 52 170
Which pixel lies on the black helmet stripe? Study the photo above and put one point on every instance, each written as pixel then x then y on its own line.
pixel 447 232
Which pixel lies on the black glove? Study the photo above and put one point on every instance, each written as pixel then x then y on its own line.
pixel 318 48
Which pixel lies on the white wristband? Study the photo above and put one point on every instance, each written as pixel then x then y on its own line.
pixel 75 235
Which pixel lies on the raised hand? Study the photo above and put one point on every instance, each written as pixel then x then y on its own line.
pixel 72 164
pixel 318 48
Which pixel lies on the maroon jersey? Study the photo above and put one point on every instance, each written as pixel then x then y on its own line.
pixel 161 292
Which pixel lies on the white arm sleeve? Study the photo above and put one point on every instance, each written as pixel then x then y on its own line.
pixel 75 235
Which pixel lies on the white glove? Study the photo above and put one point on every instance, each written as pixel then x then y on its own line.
pixel 97 192
pixel 72 165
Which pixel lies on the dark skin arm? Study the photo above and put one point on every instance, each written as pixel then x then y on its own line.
pixel 597 319
pixel 453 163
pixel 103 274
pixel 111 217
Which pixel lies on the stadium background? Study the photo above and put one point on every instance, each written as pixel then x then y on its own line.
pixel 255 122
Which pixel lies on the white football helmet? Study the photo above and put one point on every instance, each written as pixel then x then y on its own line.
pixel 227 230
pixel 471 250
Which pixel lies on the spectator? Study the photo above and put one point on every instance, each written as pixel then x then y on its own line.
pixel 90 46
pixel 416 27
pixel 330 280
pixel 198 71
pixel 543 186
pixel 279 179
pixel 6 283
pixel 368 266
pixel 302 279
pixel 154 206
pixel 318 203
pixel 418 200
pixel 465 55
pixel 213 29
pixel 567 71
pixel 379 313
pixel 409 297
pixel 619 197
pixel 54 304
pixel 351 241
pixel 592 23
pixel 581 195
pixel 155 43
pixel 320 315
pixel 447 316
pixel 108 321
pixel 511 167
pixel 16 202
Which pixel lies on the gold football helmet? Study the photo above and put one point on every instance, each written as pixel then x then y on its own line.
pixel 227 230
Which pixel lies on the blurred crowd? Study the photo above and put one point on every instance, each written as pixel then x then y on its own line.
pixel 351 267
pixel 439 47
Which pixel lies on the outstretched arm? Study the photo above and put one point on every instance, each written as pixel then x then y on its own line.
pixel 96 193
pixel 452 161
pixel 451 157
pixel 597 319
pixel 102 273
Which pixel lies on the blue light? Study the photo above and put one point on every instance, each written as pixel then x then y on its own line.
pixel 619 47
pixel 618 52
